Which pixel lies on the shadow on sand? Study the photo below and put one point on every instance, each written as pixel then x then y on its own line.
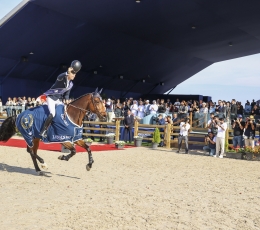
pixel 29 171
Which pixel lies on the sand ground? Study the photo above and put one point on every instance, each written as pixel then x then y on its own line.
pixel 135 188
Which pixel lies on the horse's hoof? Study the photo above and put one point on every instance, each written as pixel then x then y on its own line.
pixel 44 166
pixel 87 167
pixel 61 157
pixel 41 173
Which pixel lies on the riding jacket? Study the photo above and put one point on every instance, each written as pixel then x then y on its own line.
pixel 61 88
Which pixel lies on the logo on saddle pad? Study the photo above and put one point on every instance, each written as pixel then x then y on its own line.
pixel 61 138
pixel 64 119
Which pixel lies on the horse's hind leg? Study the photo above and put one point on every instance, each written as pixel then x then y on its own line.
pixel 82 144
pixel 36 143
pixel 72 149
pixel 34 156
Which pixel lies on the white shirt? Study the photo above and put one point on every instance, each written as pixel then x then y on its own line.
pixel 209 122
pixel 153 108
pixel 184 130
pixel 221 132
pixel 134 109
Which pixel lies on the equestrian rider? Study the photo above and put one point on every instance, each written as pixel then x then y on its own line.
pixel 60 89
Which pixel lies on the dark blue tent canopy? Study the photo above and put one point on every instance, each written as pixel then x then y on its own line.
pixel 154 45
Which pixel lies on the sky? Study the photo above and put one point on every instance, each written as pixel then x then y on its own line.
pixel 233 79
pixel 237 78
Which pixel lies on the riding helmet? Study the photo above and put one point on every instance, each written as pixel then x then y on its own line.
pixel 76 65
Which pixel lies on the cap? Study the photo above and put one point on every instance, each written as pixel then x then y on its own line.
pixel 239 116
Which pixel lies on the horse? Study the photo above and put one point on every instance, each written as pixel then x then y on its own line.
pixel 75 110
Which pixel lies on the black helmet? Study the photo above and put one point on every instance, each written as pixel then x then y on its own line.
pixel 76 65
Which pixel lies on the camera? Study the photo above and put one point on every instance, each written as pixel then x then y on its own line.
pixel 207 135
pixel 156 119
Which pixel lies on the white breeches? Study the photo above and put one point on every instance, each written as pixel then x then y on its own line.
pixel 52 104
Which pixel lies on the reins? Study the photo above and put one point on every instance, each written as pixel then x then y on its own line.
pixel 85 110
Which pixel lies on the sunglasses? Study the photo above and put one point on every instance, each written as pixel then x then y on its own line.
pixel 73 72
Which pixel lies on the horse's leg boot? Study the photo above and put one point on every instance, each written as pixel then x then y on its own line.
pixel 46 125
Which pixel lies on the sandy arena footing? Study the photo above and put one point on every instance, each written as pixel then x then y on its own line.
pixel 137 188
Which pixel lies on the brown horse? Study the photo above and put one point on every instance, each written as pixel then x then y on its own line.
pixel 76 111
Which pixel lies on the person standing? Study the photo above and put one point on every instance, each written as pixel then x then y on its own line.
pixel 129 124
pixel 146 108
pixel 153 108
pixel 118 109
pixel 220 140
pixel 140 113
pixel 134 108
pixel 238 127
pixel 184 130
pixel 249 133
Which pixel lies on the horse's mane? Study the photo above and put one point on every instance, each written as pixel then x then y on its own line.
pixel 94 95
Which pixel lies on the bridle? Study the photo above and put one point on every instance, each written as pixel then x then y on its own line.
pixel 94 104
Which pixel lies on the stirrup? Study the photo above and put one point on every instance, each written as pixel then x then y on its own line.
pixel 43 134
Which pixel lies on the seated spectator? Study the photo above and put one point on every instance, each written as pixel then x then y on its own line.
pixel 210 141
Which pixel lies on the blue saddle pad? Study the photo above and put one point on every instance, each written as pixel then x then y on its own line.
pixel 30 122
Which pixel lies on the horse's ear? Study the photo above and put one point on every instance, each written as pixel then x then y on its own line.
pixel 100 91
pixel 96 90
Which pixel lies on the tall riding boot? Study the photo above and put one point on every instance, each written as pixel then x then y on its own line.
pixel 46 125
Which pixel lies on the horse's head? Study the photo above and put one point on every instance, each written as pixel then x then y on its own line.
pixel 97 106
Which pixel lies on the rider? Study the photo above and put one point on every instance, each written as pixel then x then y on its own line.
pixel 60 89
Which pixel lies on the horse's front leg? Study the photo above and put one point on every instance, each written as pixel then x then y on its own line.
pixel 33 156
pixel 72 149
pixel 82 144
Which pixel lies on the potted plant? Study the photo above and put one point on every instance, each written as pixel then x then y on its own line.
pixel 235 153
pixel 110 138
pixel 138 141
pixel 156 138
pixel 249 153
pixel 88 141
pixel 252 153
pixel 119 144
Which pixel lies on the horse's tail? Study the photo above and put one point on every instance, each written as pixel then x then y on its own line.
pixel 8 128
